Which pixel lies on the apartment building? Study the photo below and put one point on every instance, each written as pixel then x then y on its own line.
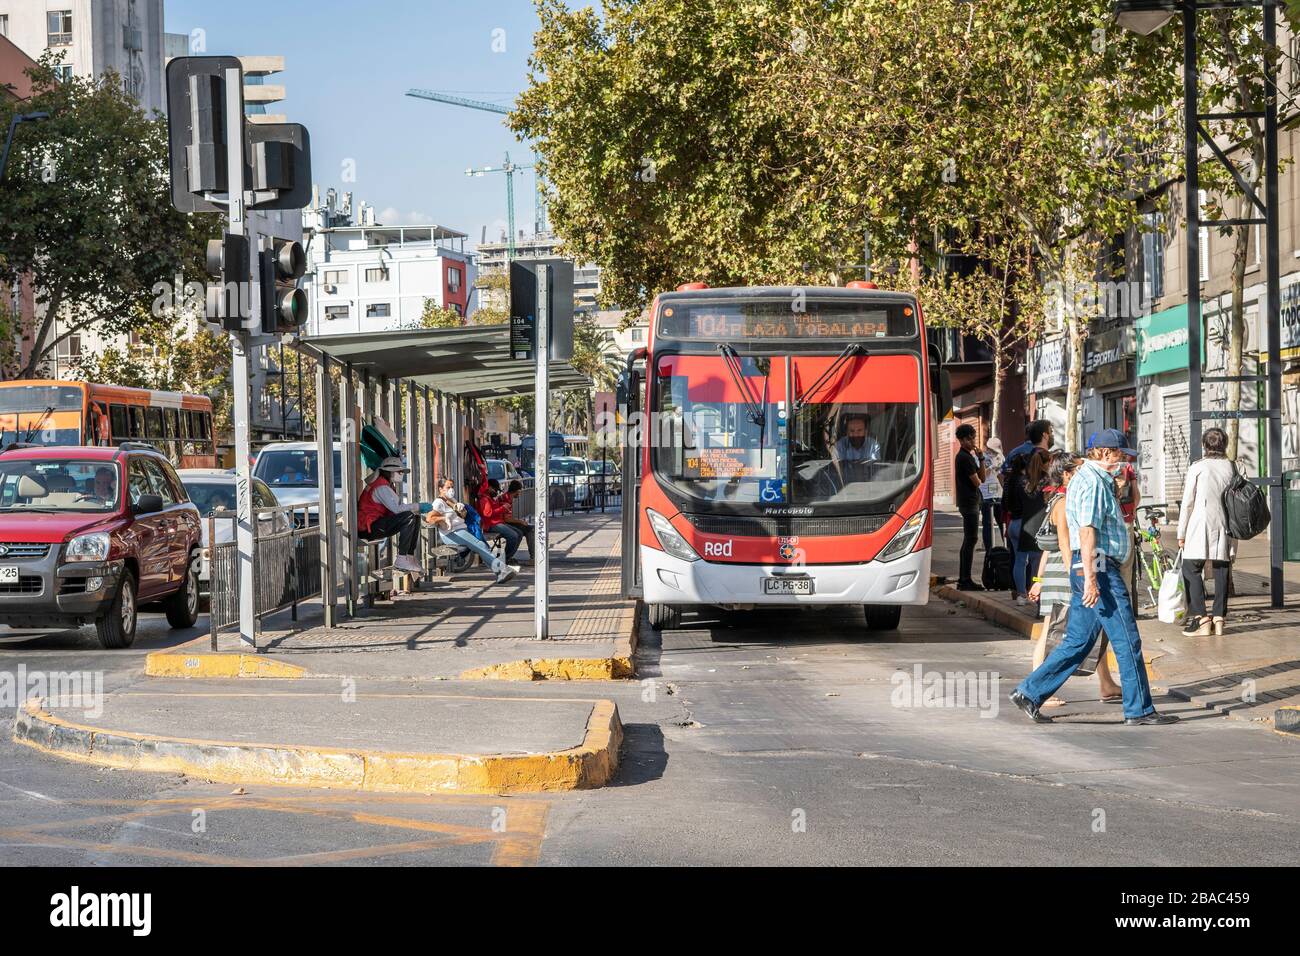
pixel 95 36
pixel 369 277
pixel 491 259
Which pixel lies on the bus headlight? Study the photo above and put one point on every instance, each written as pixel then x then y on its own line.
pixel 902 542
pixel 671 541
pixel 88 547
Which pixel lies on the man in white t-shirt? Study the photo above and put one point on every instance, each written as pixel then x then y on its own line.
pixel 448 515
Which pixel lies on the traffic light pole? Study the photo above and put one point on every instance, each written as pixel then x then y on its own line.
pixel 240 345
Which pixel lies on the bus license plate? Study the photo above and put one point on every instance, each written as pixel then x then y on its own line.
pixel 787 586
pixel 8 575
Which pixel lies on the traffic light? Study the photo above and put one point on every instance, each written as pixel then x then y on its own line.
pixel 284 305
pixel 227 300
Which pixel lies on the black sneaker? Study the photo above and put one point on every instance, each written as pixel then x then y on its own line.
pixel 1154 719
pixel 1030 708
pixel 968 586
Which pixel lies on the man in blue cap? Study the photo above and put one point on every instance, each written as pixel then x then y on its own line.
pixel 1099 542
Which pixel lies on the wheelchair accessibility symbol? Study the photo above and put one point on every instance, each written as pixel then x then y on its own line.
pixel 771 491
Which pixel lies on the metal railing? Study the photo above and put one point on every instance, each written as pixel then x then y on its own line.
pixel 287 562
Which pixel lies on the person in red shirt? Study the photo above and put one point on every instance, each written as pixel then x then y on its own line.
pixel 381 513
pixel 496 509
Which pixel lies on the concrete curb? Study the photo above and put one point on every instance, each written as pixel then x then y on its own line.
pixel 989 610
pixel 1286 721
pixel 172 664
pixel 590 765
pixel 620 665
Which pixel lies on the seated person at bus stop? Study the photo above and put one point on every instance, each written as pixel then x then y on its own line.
pixel 381 513
pixel 496 508
pixel 448 515
pixel 857 445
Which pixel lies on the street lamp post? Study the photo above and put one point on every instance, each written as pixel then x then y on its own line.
pixel 14 122
pixel 1145 17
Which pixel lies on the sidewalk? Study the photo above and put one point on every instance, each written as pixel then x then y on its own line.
pixel 1252 672
pixel 464 626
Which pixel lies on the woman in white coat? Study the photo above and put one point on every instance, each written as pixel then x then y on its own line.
pixel 1203 534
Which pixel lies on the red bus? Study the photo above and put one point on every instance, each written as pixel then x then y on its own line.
pixel 53 412
pixel 780 444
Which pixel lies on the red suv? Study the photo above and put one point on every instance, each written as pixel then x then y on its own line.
pixel 95 534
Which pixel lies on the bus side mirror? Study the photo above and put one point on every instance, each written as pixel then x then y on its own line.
pixel 941 389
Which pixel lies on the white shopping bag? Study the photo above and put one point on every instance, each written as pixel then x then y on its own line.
pixel 1172 604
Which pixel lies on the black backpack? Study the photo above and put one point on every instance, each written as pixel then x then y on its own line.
pixel 1246 506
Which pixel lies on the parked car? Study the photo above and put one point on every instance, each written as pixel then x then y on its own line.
pixel 502 470
pixel 95 535
pixel 213 489
pixel 606 476
pixel 290 469
pixel 571 474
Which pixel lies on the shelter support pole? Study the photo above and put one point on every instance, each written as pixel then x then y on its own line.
pixel 325 472
pixel 350 433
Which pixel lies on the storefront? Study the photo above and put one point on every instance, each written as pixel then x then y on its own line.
pixel 1109 387
pixel 1163 411
pixel 1048 377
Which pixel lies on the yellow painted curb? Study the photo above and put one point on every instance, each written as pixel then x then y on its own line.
pixel 618 666
pixel 172 664
pixel 589 765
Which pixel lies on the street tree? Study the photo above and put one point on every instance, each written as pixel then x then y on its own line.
pixel 88 218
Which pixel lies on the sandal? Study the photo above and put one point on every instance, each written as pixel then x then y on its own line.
pixel 1113 699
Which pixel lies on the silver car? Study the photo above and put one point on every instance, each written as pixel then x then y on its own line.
pixel 213 490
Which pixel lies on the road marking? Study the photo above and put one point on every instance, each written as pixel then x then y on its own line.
pixel 29 793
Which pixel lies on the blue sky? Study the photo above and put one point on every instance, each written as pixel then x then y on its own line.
pixel 348 64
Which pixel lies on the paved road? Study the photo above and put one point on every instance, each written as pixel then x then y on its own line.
pixel 765 738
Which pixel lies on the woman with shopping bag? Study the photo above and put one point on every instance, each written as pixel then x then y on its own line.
pixel 1203 535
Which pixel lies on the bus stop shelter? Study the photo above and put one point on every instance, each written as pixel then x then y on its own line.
pixel 427 384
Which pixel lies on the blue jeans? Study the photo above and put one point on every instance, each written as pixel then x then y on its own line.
pixel 463 539
pixel 1112 612
pixel 513 536
pixel 989 507
pixel 1024 565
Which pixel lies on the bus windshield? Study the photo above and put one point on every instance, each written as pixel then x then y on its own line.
pixel 40 414
pixel 788 431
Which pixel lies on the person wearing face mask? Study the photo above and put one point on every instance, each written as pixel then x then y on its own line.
pixel 381 513
pixel 857 445
pixel 448 515
pixel 1099 544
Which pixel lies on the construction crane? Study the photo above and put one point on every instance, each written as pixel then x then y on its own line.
pixel 509 169
pixel 539 200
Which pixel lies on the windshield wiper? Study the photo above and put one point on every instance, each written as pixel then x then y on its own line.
pixel 731 359
pixel 39 422
pixel 850 350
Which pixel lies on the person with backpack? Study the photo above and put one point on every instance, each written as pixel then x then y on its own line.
pixel 1033 512
pixel 968 475
pixel 1204 536
pixel 452 518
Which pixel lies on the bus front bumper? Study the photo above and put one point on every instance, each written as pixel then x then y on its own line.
pixel 669 580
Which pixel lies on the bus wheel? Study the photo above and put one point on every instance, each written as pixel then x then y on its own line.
pixel 882 617
pixel 664 617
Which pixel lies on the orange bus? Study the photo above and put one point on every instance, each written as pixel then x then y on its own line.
pixel 47 412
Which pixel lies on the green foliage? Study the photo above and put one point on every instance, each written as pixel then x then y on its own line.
pixel 100 235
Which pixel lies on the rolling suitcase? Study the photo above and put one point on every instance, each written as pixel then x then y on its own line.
pixel 997 567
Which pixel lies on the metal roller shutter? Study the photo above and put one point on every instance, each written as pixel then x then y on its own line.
pixel 1176 430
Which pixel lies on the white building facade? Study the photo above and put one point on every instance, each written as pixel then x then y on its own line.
pixel 373 278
